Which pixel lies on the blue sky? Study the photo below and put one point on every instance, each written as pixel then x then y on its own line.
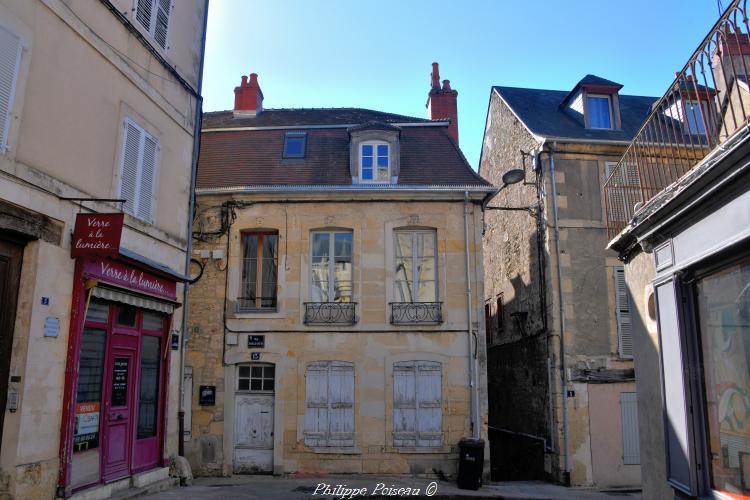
pixel 378 54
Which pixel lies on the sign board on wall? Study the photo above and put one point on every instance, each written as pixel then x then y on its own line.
pixel 87 426
pixel 122 275
pixel 97 234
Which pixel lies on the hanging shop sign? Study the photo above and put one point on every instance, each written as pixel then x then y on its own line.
pixel 123 275
pixel 97 234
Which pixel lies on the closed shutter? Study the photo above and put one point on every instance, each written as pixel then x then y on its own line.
pixel 631 449
pixel 624 324
pixel 161 28
pixel 10 56
pixel 417 404
pixel 143 13
pixel 148 172
pixel 140 155
pixel 329 404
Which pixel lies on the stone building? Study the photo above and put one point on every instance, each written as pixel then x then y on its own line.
pixel 335 328
pixel 99 101
pixel 678 214
pixel 561 383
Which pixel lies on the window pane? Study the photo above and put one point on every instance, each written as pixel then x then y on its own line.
pixel 244 371
pixel 343 245
pixel 367 174
pixel 320 244
pixel 257 371
pixel 98 311
pixel 402 291
pixel 382 174
pixel 694 117
pixel 89 393
pixel 153 320
pixel 294 145
pixel 426 244
pixel 724 321
pixel 268 385
pixel 403 244
pixel 427 292
pixel 251 246
pixel 598 108
pixel 367 150
pixel 244 384
pixel 269 371
pixel 256 385
pixel 149 387
pixel 126 315
pixel 367 162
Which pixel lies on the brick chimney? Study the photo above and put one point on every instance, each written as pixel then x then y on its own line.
pixel 248 98
pixel 442 102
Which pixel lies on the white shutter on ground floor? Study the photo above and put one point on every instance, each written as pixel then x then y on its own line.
pixel 417 404
pixel 329 404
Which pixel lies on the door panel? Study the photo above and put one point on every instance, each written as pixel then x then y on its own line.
pixel 119 409
pixel 253 433
pixel 10 274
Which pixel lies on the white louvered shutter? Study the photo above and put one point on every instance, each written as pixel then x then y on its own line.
pixel 341 404
pixel 404 404
pixel 161 28
pixel 144 12
pixel 10 56
pixel 316 404
pixel 131 160
pixel 631 449
pixel 429 404
pixel 147 177
pixel 624 324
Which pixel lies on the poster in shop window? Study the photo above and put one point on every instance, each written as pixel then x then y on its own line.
pixel 87 426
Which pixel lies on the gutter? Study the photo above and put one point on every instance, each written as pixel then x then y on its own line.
pixel 316 188
pixel 471 335
pixel 189 249
pixel 314 127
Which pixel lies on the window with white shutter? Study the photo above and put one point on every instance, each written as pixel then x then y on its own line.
pixel 329 404
pixel 631 449
pixel 622 305
pixel 10 57
pixel 154 16
pixel 417 404
pixel 140 155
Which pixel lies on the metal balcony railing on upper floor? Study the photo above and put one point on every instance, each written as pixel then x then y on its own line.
pixel 707 103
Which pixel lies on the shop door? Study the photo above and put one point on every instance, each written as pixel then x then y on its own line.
pixel 10 273
pixel 118 421
pixel 253 420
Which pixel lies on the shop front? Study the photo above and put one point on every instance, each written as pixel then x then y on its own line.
pixel 114 412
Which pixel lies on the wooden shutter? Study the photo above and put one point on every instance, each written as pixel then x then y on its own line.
pixel 417 404
pixel 143 13
pixel 148 174
pixel 624 325
pixel 131 159
pixel 161 28
pixel 631 449
pixel 10 57
pixel 329 401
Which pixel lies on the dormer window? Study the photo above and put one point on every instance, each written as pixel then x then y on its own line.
pixel 375 162
pixel 294 144
pixel 599 107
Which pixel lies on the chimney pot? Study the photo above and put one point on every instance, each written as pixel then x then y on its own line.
pixel 244 81
pixel 254 79
pixel 435 76
pixel 248 98
pixel 446 85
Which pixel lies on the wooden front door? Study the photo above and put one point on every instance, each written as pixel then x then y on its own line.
pixel 253 420
pixel 10 274
pixel 119 407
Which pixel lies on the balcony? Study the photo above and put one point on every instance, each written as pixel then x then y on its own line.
pixel 330 313
pixel 416 313
pixel 706 105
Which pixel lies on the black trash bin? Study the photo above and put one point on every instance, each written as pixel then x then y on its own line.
pixel 470 463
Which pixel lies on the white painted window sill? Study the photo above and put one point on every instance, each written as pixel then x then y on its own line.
pixel 337 451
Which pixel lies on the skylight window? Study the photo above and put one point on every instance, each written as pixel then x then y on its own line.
pixel 294 145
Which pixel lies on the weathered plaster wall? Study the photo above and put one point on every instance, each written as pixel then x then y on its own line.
pixel 372 344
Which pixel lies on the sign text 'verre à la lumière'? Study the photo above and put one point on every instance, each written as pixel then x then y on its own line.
pixel 133 277
pixel 97 234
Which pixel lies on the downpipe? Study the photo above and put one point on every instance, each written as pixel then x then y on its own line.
pixel 472 353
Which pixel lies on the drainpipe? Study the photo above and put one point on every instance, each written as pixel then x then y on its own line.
pixel 474 399
pixel 189 250
pixel 563 383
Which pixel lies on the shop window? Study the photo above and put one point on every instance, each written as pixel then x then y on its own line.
pixel 126 315
pixel 256 378
pixel 98 312
pixel 148 401
pixel 259 271
pixel 89 392
pixel 153 321
pixel 417 404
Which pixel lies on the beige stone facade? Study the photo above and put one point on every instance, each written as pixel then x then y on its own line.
pixel 80 73
pixel 373 344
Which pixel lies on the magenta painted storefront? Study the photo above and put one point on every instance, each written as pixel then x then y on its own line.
pixel 114 410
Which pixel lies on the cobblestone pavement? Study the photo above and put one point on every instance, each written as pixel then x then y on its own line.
pixel 268 487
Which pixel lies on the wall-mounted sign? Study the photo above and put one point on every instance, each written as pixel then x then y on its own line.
pixel 256 341
pixel 51 327
pixel 120 382
pixel 175 342
pixel 45 301
pixel 255 356
pixel 119 274
pixel 97 234
pixel 207 395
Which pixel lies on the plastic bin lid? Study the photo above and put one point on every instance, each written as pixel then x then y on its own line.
pixel 472 442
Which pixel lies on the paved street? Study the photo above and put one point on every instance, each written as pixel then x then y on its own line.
pixel 265 487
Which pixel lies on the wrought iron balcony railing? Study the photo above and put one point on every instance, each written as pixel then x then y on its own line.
pixel 330 313
pixel 706 104
pixel 416 313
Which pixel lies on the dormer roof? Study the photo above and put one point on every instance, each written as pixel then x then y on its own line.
pixel 591 81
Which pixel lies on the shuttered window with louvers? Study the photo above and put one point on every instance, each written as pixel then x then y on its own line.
pixel 10 57
pixel 624 324
pixel 140 155
pixel 329 404
pixel 417 404
pixel 154 16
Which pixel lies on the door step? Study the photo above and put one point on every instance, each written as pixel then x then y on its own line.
pixel 144 483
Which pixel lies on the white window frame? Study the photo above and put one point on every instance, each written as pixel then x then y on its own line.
pixel 151 28
pixel 331 263
pixel 375 167
pixel 623 310
pixel 699 122
pixel 12 92
pixel 414 279
pixel 250 378
pixel 326 438
pixel 420 437
pixel 611 111
pixel 136 205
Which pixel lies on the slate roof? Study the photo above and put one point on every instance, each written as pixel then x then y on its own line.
pixel 429 156
pixel 540 110
pixel 598 80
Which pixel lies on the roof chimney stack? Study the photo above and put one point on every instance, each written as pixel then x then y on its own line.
pixel 248 98
pixel 442 102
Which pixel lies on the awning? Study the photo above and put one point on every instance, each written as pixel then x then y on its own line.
pixel 137 300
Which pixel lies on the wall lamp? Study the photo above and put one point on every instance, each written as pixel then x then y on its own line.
pixel 514 176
